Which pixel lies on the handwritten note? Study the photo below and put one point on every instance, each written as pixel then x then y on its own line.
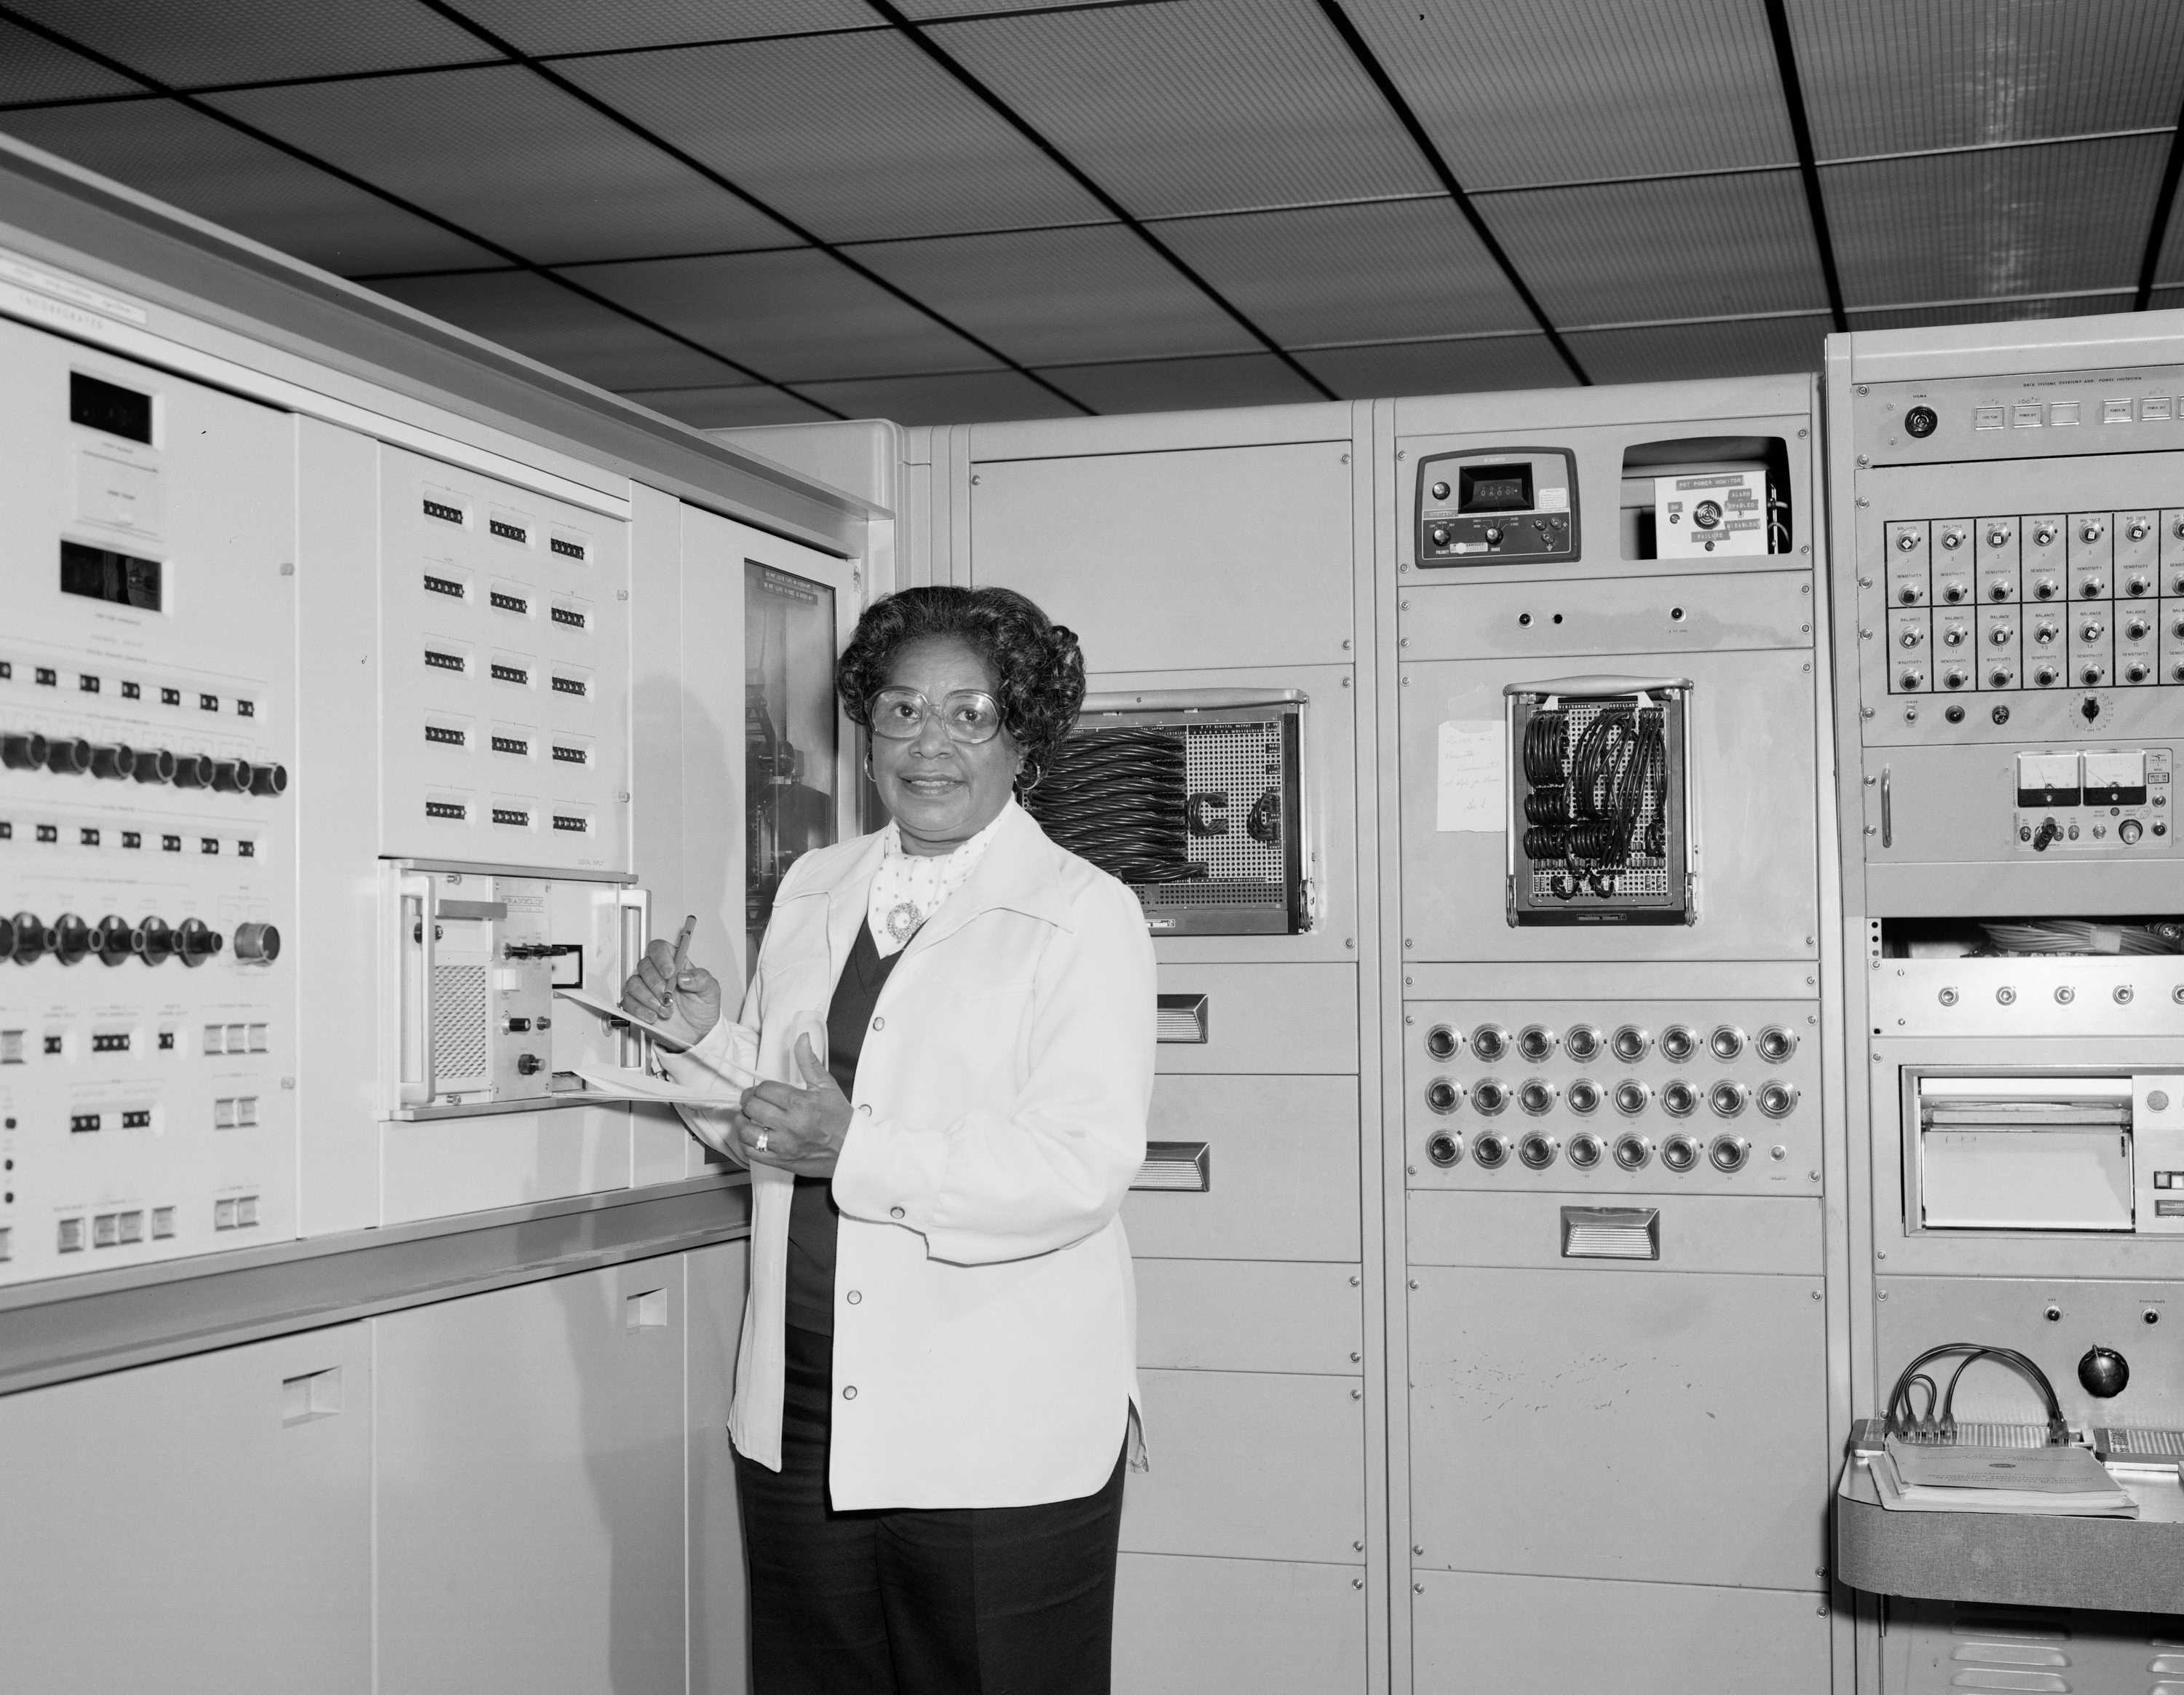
pixel 1473 778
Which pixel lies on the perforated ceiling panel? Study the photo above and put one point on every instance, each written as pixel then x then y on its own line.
pixel 1199 105
pixel 1981 226
pixel 1055 297
pixel 1683 246
pixel 943 400
pixel 202 165
pixel 1395 272
pixel 534 315
pixel 499 152
pixel 1167 385
pixel 1742 346
pixel 550 26
pixel 1571 90
pixel 31 67
pixel 1473 364
pixel 793 315
pixel 856 136
pixel 1881 76
pixel 197 42
pixel 2169 266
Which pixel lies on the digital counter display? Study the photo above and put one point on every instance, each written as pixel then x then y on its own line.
pixel 110 408
pixel 1494 488
pixel 120 578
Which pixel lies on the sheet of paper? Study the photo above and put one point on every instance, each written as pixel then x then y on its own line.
pixel 613 1082
pixel 593 1005
pixel 1472 777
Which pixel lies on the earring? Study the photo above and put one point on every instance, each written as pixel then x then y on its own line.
pixel 868 766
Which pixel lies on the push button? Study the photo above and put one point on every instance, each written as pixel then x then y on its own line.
pixel 879 1024
pixel 854 1296
pixel 848 1391
pixel 895 1212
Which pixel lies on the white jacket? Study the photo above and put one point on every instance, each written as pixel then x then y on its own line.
pixel 985 1318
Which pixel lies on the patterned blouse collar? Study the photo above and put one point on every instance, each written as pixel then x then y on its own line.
pixel 909 888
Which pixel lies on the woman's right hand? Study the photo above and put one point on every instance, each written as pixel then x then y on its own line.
pixel 678 999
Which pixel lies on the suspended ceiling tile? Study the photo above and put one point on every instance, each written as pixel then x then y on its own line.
pixel 501 152
pixel 536 316
pixel 1397 270
pixel 1881 76
pixel 1573 91
pixel 979 8
pixel 189 43
pixel 856 136
pixel 2167 300
pixel 200 164
pixel 1682 247
pixel 1061 296
pixel 794 315
pixel 975 397
pixel 31 67
pixel 2169 266
pixel 1178 385
pixel 552 27
pixel 728 409
pixel 1198 105
pixel 1666 353
pixel 1993 311
pixel 1995 224
pixel 1472 365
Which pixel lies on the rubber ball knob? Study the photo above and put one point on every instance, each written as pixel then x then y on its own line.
pixel 2103 1372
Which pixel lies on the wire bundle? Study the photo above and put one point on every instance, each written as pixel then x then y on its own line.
pixel 1546 749
pixel 2084 936
pixel 1119 798
pixel 1939 1424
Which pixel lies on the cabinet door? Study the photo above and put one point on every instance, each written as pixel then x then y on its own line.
pixel 531 1528
pixel 200 1525
pixel 720 1601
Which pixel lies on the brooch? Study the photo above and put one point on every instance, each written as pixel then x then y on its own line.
pixel 903 920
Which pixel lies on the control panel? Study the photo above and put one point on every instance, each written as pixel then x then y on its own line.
pixel 1516 504
pixel 2093 801
pixel 147 1006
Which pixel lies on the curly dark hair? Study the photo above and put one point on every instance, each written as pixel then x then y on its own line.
pixel 1036 664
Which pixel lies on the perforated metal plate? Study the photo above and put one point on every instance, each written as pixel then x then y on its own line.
pixel 789 315
pixel 1050 297
pixel 551 27
pixel 1162 385
pixel 31 67
pixel 459 1026
pixel 501 152
pixel 534 317
pixel 1397 270
pixel 856 136
pixel 191 42
pixel 1733 347
pixel 1692 247
pixel 202 165
pixel 1882 77
pixel 1979 226
pixel 1213 106
pixel 1469 365
pixel 1573 91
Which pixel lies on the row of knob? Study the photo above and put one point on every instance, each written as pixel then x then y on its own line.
pixel 2001 632
pixel 2092 673
pixel 1489 1097
pixel 2091 585
pixel 26 939
pixel 2136 527
pixel 74 756
pixel 1535 1150
pixel 1631 1043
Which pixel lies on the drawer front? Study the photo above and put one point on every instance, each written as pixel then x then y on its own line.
pixel 1282 1177
pixel 1235 1315
pixel 1285 1018
pixel 1184 1626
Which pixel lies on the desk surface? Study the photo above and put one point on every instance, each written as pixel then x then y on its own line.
pixel 2015 1559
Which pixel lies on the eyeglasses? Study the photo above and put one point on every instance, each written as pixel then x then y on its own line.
pixel 967 715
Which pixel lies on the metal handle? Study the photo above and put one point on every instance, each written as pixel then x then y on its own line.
pixel 417 918
pixel 1587 686
pixel 1887 810
pixel 634 908
pixel 1190 699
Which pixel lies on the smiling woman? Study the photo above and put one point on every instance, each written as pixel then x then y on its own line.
pixel 937 1372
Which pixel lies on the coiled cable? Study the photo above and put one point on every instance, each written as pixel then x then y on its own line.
pixel 1120 799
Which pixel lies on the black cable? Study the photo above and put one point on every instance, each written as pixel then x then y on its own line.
pixel 1120 798
pixel 1943 1428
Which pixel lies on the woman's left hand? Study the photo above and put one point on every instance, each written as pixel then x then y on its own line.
pixel 797 1130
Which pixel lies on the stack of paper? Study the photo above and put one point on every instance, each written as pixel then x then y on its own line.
pixel 2062 1482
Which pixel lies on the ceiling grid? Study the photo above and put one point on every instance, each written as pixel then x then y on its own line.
pixel 746 211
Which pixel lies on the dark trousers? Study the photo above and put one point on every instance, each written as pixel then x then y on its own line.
pixel 976 1601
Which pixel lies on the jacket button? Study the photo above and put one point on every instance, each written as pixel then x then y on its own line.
pixel 879 1024
pixel 854 1296
pixel 849 1393
pixel 895 1212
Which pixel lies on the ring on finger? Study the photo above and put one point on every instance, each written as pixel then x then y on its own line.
pixel 760 1144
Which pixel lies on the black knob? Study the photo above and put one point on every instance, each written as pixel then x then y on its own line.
pixel 257 942
pixel 232 776
pixel 529 1065
pixel 24 752
pixel 193 771
pixel 1920 422
pixel 1440 1041
pixel 116 940
pixel 31 939
pixel 70 757
pixel 154 941
pixel 269 780
pixel 154 765
pixel 2090 708
pixel 1444 1149
pixel 115 762
pixel 195 941
pixel 2104 1373
pixel 71 939
pixel 1442 1095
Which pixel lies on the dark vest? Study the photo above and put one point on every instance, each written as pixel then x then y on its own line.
pixel 813 1218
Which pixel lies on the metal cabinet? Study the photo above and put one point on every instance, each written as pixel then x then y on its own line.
pixel 1185 1626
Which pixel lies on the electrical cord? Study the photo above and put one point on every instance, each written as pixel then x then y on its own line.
pixel 1120 799
pixel 2084 936
pixel 1931 1427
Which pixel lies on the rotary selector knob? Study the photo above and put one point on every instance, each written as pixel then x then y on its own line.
pixel 2138 530
pixel 269 780
pixel 2092 587
pixel 2044 536
pixel 28 939
pixel 2046 589
pixel 2103 1372
pixel 1999 635
pixel 1492 533
pixel 2091 530
pixel 1907 541
pixel 1953 538
pixel 1439 535
pixel 116 763
pixel 24 752
pixel 2136 629
pixel 193 771
pixel 2129 831
pixel 2092 630
pixel 1911 594
pixel 68 756
pixel 1914 636
pixel 1998 535
pixel 1953 635
pixel 2138 586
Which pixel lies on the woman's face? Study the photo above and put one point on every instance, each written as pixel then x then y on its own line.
pixel 941 792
